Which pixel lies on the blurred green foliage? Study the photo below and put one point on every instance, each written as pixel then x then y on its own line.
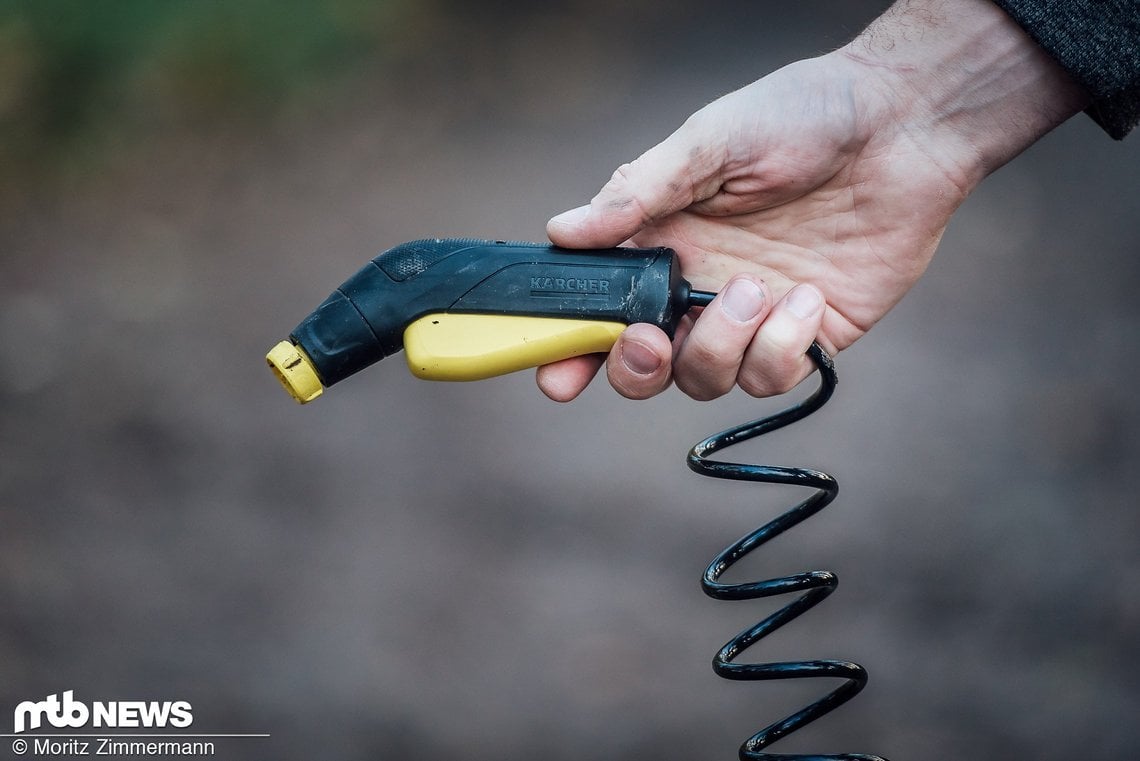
pixel 73 72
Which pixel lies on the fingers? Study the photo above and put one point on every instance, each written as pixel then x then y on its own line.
pixel 563 381
pixel 639 366
pixel 710 357
pixel 665 179
pixel 743 339
pixel 777 360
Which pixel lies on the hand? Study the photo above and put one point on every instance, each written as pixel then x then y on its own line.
pixel 794 198
pixel 812 199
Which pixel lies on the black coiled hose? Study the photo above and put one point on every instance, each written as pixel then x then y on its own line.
pixel 814 585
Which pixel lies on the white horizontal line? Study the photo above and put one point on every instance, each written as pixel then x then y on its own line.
pixel 123 734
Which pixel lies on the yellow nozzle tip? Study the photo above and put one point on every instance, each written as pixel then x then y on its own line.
pixel 295 371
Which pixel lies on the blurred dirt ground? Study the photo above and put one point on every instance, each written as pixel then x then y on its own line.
pixel 409 570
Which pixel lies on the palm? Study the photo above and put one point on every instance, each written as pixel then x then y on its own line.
pixel 859 217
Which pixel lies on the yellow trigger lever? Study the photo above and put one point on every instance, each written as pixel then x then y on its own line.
pixel 464 347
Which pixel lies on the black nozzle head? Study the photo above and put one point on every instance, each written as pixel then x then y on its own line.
pixel 337 339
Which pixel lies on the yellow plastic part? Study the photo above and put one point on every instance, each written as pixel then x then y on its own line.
pixel 295 371
pixel 462 347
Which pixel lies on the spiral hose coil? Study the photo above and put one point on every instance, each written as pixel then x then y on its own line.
pixel 814 585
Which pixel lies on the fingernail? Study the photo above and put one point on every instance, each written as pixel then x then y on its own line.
pixel 742 300
pixel 573 217
pixel 804 301
pixel 639 358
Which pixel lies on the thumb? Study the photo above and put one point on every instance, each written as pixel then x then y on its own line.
pixel 667 178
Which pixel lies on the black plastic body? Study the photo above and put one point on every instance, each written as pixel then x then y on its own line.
pixel 363 321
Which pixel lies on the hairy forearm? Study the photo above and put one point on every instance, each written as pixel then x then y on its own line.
pixel 961 77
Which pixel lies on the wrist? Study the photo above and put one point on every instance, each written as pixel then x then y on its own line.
pixel 962 80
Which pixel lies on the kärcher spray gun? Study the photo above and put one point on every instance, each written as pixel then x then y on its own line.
pixel 464 309
pixel 472 309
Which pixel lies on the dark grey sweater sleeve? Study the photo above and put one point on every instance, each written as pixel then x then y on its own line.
pixel 1098 43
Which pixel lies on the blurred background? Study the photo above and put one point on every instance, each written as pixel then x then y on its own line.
pixel 424 571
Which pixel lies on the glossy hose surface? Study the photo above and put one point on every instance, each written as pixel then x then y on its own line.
pixel 813 586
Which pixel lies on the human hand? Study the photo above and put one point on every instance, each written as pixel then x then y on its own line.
pixel 813 199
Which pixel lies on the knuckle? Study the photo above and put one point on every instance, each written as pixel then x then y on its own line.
pixel 783 346
pixel 622 194
pixel 705 369
pixel 699 392
pixel 622 174
pixel 618 192
pixel 771 377
pixel 754 386
pixel 700 355
pixel 765 386
pixel 702 384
